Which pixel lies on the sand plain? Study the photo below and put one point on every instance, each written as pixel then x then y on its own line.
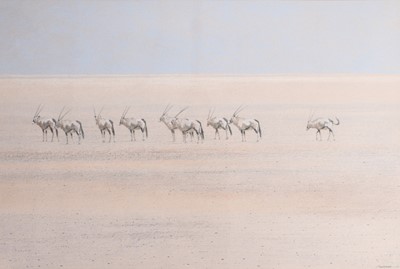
pixel 285 202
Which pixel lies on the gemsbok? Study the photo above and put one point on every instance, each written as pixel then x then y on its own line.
pixel 104 125
pixel 186 126
pixel 322 124
pixel 218 123
pixel 167 120
pixel 132 124
pixel 45 123
pixel 69 126
pixel 245 124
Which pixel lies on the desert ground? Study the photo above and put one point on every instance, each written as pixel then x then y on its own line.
pixel 288 201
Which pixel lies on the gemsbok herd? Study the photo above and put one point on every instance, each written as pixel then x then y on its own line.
pixel 188 127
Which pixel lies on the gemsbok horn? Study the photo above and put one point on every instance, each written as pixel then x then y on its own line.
pixel 132 124
pixel 104 125
pixel 69 126
pixel 244 124
pixel 45 123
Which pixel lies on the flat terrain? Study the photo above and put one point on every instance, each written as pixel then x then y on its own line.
pixel 285 202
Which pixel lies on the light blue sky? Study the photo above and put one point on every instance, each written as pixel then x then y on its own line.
pixel 224 37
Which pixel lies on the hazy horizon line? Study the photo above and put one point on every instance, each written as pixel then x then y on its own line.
pixel 2 76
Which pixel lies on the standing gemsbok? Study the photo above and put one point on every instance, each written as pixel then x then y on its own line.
pixel 245 124
pixel 187 126
pixel 167 120
pixel 69 126
pixel 132 124
pixel 45 123
pixel 104 125
pixel 218 123
pixel 322 124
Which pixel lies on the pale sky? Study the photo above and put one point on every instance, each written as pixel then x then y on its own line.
pixel 206 37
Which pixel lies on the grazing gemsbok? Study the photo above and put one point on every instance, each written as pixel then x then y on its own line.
pixel 245 124
pixel 322 124
pixel 104 125
pixel 69 126
pixel 45 123
pixel 167 120
pixel 217 123
pixel 132 124
pixel 187 126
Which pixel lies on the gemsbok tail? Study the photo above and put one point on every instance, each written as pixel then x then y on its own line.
pixel 227 124
pixel 112 127
pixel 55 127
pixel 81 129
pixel 201 130
pixel 145 128
pixel 337 123
pixel 259 127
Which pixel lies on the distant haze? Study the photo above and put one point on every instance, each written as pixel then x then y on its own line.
pixel 207 37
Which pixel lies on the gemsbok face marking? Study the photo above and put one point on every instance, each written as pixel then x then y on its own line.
pixel 133 124
pixel 104 125
pixel 186 126
pixel 218 123
pixel 45 124
pixel 167 120
pixel 322 124
pixel 245 124
pixel 70 127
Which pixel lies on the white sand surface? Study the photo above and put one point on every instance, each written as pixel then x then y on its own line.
pixel 285 202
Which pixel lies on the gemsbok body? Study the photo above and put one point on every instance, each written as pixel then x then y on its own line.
pixel 218 123
pixel 322 124
pixel 187 126
pixel 167 120
pixel 134 124
pixel 244 124
pixel 70 126
pixel 45 124
pixel 104 125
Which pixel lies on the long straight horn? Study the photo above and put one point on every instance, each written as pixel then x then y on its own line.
pixel 170 107
pixel 37 110
pixel 212 113
pixel 181 111
pixel 311 115
pixel 123 112
pixel 40 110
pixel 94 111
pixel 167 109
pixel 127 109
pixel 237 110
pixel 209 114
pixel 101 110
pixel 240 110
pixel 62 110
pixel 62 117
